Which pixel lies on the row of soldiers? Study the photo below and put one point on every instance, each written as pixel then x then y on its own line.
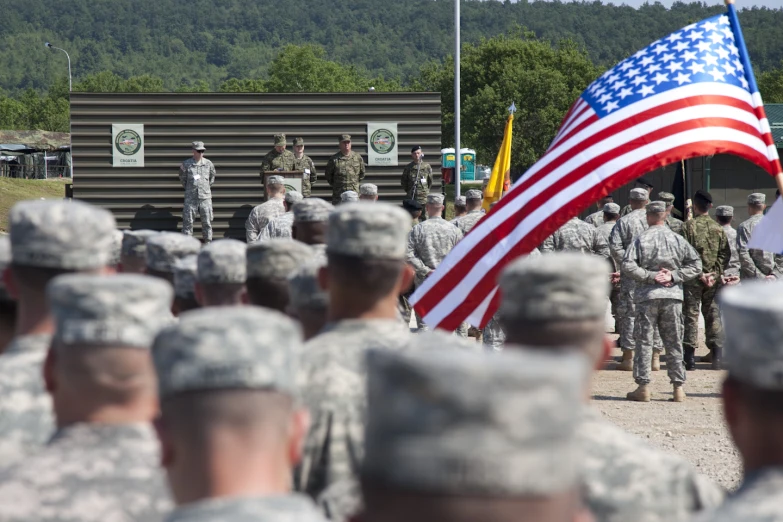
pixel 112 409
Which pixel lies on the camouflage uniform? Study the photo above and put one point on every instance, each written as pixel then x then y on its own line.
pixel 758 499
pixel 576 236
pixel 627 209
pixel 197 179
pixel 656 305
pixel 468 221
pixel 734 262
pixel 429 243
pixel 310 175
pixel 417 177
pixel 755 264
pixel 596 218
pixel 605 231
pixel 287 508
pixel 279 227
pixel 260 216
pixel 278 161
pixel 344 173
pixel 674 224
pixel 710 242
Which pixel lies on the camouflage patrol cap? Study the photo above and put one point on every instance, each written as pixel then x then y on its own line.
pixel 227 348
pixel 349 196
pixel 305 293
pixel 5 260
pixel 757 198
pixel 185 270
pixel 292 197
pixel 67 235
pixel 134 242
pixel 460 201
pixel 753 324
pixel 116 247
pixel 122 309
pixel 656 207
pixel 312 210
pixel 639 194
pixel 724 211
pixel 458 422
pixel 280 140
pixel 198 145
pixel 368 230
pixel 435 199
pixel 223 261
pixel 473 194
pixel 298 141
pixel 344 137
pixel 667 197
pixel 368 189
pixel 275 259
pixel 164 248
pixel 561 286
pixel 612 208
pixel 275 180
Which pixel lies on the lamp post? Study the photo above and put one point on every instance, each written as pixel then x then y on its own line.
pixel 70 88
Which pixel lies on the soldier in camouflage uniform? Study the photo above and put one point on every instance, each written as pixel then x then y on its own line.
pixel 576 236
pixel 642 183
pixel 197 175
pixel 460 208
pixel 104 454
pixel 7 303
pixel 349 196
pixel 611 213
pixel 133 257
pixel 279 158
pixel 724 215
pixel 273 207
pixel 345 170
pixel 185 285
pixel 44 244
pixel 660 261
pixel 308 301
pixel 674 224
pixel 310 221
pixel 303 162
pixel 269 264
pixel 710 241
pixel 433 412
pixel 280 226
pixel 473 201
pixel 222 273
pixel 755 264
pixel 597 218
pixel 164 250
pixel 368 192
pixel 752 395
pixel 416 179
pixel 230 374
pixel 559 300
pixel 366 271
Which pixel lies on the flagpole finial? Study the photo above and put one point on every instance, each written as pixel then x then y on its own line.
pixel 513 108
pixel 727 2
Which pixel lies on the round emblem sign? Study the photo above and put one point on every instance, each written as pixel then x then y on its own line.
pixel 128 142
pixel 382 141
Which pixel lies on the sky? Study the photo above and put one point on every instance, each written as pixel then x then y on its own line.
pixel 772 4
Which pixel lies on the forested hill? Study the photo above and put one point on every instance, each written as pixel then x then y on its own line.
pixel 184 41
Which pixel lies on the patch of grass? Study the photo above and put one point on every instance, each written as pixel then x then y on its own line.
pixel 13 190
pixel 449 190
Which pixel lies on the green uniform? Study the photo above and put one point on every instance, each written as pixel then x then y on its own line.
pixel 344 173
pixel 674 224
pixel 416 180
pixel 277 161
pixel 308 178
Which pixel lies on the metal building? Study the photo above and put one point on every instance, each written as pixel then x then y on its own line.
pixel 238 131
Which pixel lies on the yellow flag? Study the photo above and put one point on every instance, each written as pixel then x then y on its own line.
pixel 501 172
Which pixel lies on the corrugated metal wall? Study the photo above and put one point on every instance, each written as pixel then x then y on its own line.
pixel 237 130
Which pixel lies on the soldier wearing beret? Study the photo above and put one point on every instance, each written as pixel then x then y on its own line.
pixel 710 242
pixel 44 244
pixel 345 170
pixel 659 261
pixel 164 250
pixel 365 274
pixel 279 158
pixel 231 427
pixel 416 179
pixel 310 221
pixel 368 192
pixel 273 207
pixel 280 226
pixel 755 264
pixel 597 218
pixel 133 256
pixel 642 183
pixel 103 460
pixel 724 214
pixel 559 300
pixel 222 273
pixel 473 200
pixel 752 399
pixel 303 162
pixel 457 455
pixel 185 285
pixel 7 304
pixel 197 175
pixel 308 302
pixel 269 263
pixel 672 222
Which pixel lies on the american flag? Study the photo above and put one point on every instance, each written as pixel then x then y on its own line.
pixel 689 94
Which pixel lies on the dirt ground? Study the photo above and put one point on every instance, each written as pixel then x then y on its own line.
pixel 693 429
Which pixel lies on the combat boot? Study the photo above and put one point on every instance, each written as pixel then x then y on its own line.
pixel 707 358
pixel 640 394
pixel 688 358
pixel 679 393
pixel 656 361
pixel 627 364
pixel 717 359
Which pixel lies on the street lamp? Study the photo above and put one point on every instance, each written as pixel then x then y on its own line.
pixel 70 89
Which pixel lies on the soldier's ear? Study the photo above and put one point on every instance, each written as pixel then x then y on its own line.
pixel 300 425
pixel 49 373
pixel 407 276
pixel 167 453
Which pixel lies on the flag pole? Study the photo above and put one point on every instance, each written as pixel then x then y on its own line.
pixel 458 162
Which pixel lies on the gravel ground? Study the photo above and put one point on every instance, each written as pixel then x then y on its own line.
pixel 693 429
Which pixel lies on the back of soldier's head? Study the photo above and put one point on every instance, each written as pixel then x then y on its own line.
pixel 311 216
pixel 308 301
pixel 441 441
pixel 555 300
pixel 165 249
pixel 269 264
pixel 638 198
pixel 185 285
pixel 222 273
pixel 133 253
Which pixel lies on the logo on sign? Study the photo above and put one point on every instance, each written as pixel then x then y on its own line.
pixel 382 141
pixel 128 142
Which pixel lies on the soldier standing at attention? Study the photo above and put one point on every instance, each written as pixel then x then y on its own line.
pixel 674 224
pixel 368 192
pixel 278 158
pixel 710 242
pixel 344 170
pixel 280 226
pixel 185 285
pixel 473 200
pixel 659 261
pixel 416 178
pixel 197 175
pixel 576 236
pixel 222 274
pixel 134 251
pixel 755 264
pixel 724 215
pixel 597 218
pixel 642 183
pixel 460 208
pixel 611 213
pixel 303 162
pixel 273 207
pixel 164 250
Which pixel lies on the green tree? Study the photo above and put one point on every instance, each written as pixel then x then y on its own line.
pixel 771 85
